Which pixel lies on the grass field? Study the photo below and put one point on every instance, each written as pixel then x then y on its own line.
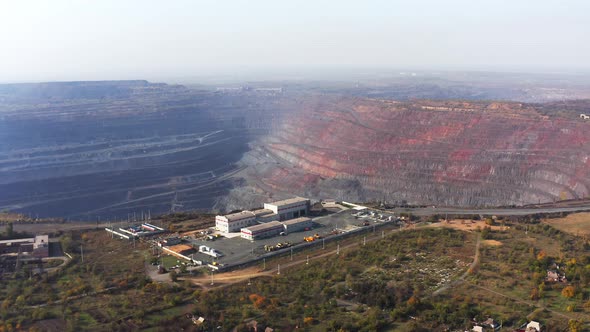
pixel 575 224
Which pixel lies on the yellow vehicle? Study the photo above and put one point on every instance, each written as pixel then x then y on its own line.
pixel 309 239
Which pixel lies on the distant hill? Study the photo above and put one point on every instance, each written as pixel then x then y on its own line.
pixel 70 90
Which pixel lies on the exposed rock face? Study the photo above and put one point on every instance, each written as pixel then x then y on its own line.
pixel 426 152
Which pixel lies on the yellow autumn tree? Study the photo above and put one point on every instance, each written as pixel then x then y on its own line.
pixel 568 292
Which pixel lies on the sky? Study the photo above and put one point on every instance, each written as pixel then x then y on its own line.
pixel 154 39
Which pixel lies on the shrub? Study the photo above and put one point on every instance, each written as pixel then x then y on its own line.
pixel 568 292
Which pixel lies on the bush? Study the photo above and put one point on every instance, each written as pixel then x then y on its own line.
pixel 568 292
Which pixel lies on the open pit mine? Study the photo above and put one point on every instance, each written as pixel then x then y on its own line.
pixel 90 150
pixel 426 152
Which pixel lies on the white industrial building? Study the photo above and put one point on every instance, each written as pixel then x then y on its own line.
pixel 234 222
pixel 265 215
pixel 260 231
pixel 289 208
pixel 297 224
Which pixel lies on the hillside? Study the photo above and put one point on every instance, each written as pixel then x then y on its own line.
pixel 427 152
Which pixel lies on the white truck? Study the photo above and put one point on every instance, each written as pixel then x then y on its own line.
pixel 210 251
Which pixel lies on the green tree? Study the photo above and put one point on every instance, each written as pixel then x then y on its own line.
pixel 20 301
pixel 10 230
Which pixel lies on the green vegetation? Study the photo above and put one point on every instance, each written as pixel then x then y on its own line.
pixel 107 291
pixel 382 283
pixel 388 284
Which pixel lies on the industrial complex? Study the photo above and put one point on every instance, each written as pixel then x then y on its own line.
pixel 251 235
pixel 261 223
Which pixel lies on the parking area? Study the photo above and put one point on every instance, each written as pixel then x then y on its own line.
pixel 236 250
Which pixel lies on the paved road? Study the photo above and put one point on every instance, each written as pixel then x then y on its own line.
pixel 494 211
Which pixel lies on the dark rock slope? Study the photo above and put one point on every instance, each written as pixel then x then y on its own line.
pixel 112 149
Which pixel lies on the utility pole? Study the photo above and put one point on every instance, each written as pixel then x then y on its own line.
pixel 307 262
pixel 364 241
pixel 338 250
pixel 263 264
pixel 291 254
pixel 382 234
pixel 279 269
pixel 323 243
pixel 212 278
pixel 82 253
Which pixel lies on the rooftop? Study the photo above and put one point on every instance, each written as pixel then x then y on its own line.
pixel 290 201
pixel 239 215
pixel 261 212
pixel 296 221
pixel 261 227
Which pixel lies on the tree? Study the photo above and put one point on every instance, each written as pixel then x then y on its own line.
pixel 485 233
pixel 574 325
pixel 10 230
pixel 568 292
pixel 20 301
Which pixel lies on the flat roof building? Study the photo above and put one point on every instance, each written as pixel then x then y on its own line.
pixel 265 215
pixel 260 231
pixel 37 246
pixel 234 222
pixel 289 208
pixel 297 224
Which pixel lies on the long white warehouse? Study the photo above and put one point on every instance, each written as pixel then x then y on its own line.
pixel 260 231
pixel 297 224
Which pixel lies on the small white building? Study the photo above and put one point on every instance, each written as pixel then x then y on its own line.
pixel 533 326
pixel 260 231
pixel 297 224
pixel 584 116
pixel 289 208
pixel 234 222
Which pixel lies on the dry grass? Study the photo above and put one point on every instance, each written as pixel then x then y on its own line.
pixel 467 225
pixel 8 216
pixel 492 243
pixel 576 224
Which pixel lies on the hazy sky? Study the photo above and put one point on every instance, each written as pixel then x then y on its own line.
pixel 119 39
